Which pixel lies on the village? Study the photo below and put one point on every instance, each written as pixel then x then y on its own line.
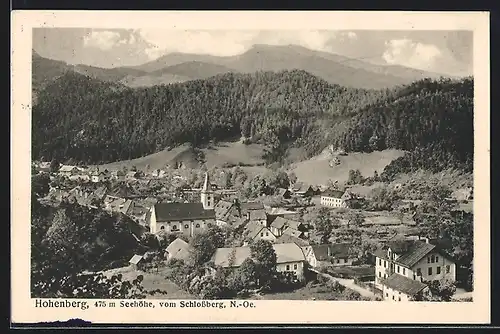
pixel 325 237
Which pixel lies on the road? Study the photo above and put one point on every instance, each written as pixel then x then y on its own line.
pixel 349 283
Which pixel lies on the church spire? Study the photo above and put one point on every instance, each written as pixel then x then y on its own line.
pixel 206 184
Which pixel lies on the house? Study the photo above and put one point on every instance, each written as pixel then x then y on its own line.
pixel 137 212
pixel 258 216
pixel 401 288
pixel 303 190
pixel 280 225
pixel 178 249
pixel 159 173
pixel 117 175
pixel 255 231
pixel 329 254
pixel 289 258
pixel 417 260
pixel 226 212
pixel 68 171
pixel 100 176
pixel 118 205
pixel 136 262
pixel 284 193
pixel 186 218
pixel 288 239
pixel 246 207
pixel 335 198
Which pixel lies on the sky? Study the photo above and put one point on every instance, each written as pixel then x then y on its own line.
pixel 446 52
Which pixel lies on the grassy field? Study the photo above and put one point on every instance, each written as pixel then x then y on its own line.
pixel 233 153
pixel 367 163
pixel 310 292
pixel 153 281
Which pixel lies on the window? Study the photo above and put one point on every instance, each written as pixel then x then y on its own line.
pixel 385 264
pixel 174 227
pixel 419 272
pixel 197 225
pixel 379 262
pixel 162 227
pixel 385 275
pixel 186 226
pixel 438 270
pixel 267 234
pixel 379 274
pixel 448 269
pixel 386 294
pixel 287 267
pixel 294 266
pixel 428 259
pixel 429 271
pixel 437 258
pixel 393 297
pixel 404 271
pixel 208 203
pixel 262 234
pixel 398 269
pixel 209 224
pixel 399 299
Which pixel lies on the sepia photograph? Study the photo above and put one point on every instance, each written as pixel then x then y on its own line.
pixel 197 165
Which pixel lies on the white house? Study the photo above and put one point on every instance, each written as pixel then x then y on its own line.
pixel 178 249
pixel 256 231
pixel 400 288
pixel 416 260
pixel 289 258
pixel 328 255
pixel 186 218
pixel 335 198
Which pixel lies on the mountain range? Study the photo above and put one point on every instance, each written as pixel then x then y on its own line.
pixel 181 67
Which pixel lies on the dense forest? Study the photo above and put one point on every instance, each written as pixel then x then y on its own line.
pixel 84 120
pixel 93 121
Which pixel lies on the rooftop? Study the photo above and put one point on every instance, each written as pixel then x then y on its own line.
pixel 182 211
pixel 404 284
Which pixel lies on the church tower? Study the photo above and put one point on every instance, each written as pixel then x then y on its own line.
pixel 207 196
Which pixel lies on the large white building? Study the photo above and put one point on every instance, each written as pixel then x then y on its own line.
pixel 405 265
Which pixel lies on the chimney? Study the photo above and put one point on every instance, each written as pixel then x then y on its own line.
pixel 328 250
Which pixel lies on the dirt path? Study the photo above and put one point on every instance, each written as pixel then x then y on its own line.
pixel 349 283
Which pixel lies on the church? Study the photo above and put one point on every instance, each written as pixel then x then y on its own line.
pixel 185 218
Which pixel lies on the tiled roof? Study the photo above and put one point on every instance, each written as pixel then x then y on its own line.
pixel 179 249
pixel 248 206
pixel 286 239
pixel 293 232
pixel 135 259
pixel 288 252
pixel 333 193
pixel 222 256
pixel 182 211
pixel 278 223
pixel 415 253
pixel 293 224
pixel 404 284
pixel 258 215
pixel 340 250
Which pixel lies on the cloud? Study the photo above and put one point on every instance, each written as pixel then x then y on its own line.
pixel 104 40
pixel 406 52
pixel 229 43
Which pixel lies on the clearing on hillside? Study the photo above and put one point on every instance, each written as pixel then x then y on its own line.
pixel 318 170
pixel 219 155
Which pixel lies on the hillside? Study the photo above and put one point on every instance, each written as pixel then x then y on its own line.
pixel 333 68
pixel 366 163
pixel 93 121
pixel 180 67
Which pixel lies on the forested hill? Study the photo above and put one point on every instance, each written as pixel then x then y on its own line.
pixel 93 121
pixel 432 120
pixel 89 121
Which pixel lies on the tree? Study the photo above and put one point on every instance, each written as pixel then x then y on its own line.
pixel 355 218
pixel 262 252
pixel 205 244
pixel 54 165
pixel 442 289
pixel 40 185
pixel 323 224
pixel 354 177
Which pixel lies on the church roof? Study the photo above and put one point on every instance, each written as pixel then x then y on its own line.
pixel 182 211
